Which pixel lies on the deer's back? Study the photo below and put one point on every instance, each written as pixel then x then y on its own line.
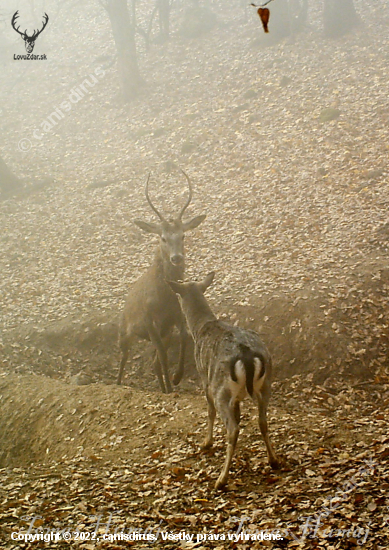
pixel 219 342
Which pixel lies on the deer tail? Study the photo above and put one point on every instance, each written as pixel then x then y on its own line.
pixel 247 368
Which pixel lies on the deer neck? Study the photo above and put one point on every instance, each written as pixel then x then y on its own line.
pixel 170 272
pixel 197 313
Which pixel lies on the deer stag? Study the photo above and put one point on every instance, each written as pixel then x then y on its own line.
pixel 29 41
pixel 152 310
pixel 232 362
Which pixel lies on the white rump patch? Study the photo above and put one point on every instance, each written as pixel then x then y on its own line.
pixel 258 380
pixel 238 388
pixel 240 372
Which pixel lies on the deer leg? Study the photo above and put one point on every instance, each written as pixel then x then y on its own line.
pixel 157 365
pixel 122 365
pixel 228 414
pixel 158 371
pixel 263 400
pixel 156 340
pixel 208 442
pixel 181 361
pixel 237 412
pixel 124 343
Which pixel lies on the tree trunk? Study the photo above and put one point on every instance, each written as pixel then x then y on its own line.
pixel 298 10
pixel 339 17
pixel 164 16
pixel 123 28
pixel 9 183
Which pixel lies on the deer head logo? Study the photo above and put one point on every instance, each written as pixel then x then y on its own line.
pixel 29 40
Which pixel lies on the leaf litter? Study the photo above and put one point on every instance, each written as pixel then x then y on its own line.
pixel 294 182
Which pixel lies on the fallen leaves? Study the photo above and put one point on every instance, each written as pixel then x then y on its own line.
pixel 170 487
pixel 289 160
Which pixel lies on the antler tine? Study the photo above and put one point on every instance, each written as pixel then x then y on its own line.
pixel 16 15
pixel 190 195
pixel 45 21
pixel 149 201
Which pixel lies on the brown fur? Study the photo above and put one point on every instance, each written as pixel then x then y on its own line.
pixel 216 345
pixel 152 309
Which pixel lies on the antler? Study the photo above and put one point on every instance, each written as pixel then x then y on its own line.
pixel 37 33
pixel 189 198
pixel 149 201
pixel 16 15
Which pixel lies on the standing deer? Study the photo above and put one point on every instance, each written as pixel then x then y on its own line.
pixel 152 310
pixel 232 363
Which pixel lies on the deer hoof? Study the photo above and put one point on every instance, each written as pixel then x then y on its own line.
pixel 177 379
pixel 220 484
pixel 275 464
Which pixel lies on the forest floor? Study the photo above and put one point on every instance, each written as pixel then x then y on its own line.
pixel 287 147
pixel 131 458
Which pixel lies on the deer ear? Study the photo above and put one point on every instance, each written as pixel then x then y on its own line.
pixel 193 223
pixel 148 227
pixel 176 287
pixel 206 282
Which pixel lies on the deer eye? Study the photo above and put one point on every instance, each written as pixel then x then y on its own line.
pixel 163 239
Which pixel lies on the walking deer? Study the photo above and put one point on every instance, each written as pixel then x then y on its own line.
pixel 232 363
pixel 152 310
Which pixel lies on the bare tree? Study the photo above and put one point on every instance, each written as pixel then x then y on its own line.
pixel 124 28
pixel 339 17
pixel 164 18
pixel 162 7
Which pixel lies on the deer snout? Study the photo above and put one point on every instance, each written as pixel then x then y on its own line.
pixel 177 259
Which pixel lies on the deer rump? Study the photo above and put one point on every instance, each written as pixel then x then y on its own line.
pixel 247 371
pixel 233 359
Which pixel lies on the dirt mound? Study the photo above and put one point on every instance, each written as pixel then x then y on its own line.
pixel 331 335
pixel 46 420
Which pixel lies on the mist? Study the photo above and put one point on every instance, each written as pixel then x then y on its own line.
pixel 280 139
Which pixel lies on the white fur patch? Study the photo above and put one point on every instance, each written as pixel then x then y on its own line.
pixel 240 372
pixel 238 388
pixel 258 381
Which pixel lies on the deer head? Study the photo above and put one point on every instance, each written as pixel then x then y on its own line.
pixel 171 232
pixel 29 40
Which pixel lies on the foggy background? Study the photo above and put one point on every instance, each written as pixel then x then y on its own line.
pixel 285 138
